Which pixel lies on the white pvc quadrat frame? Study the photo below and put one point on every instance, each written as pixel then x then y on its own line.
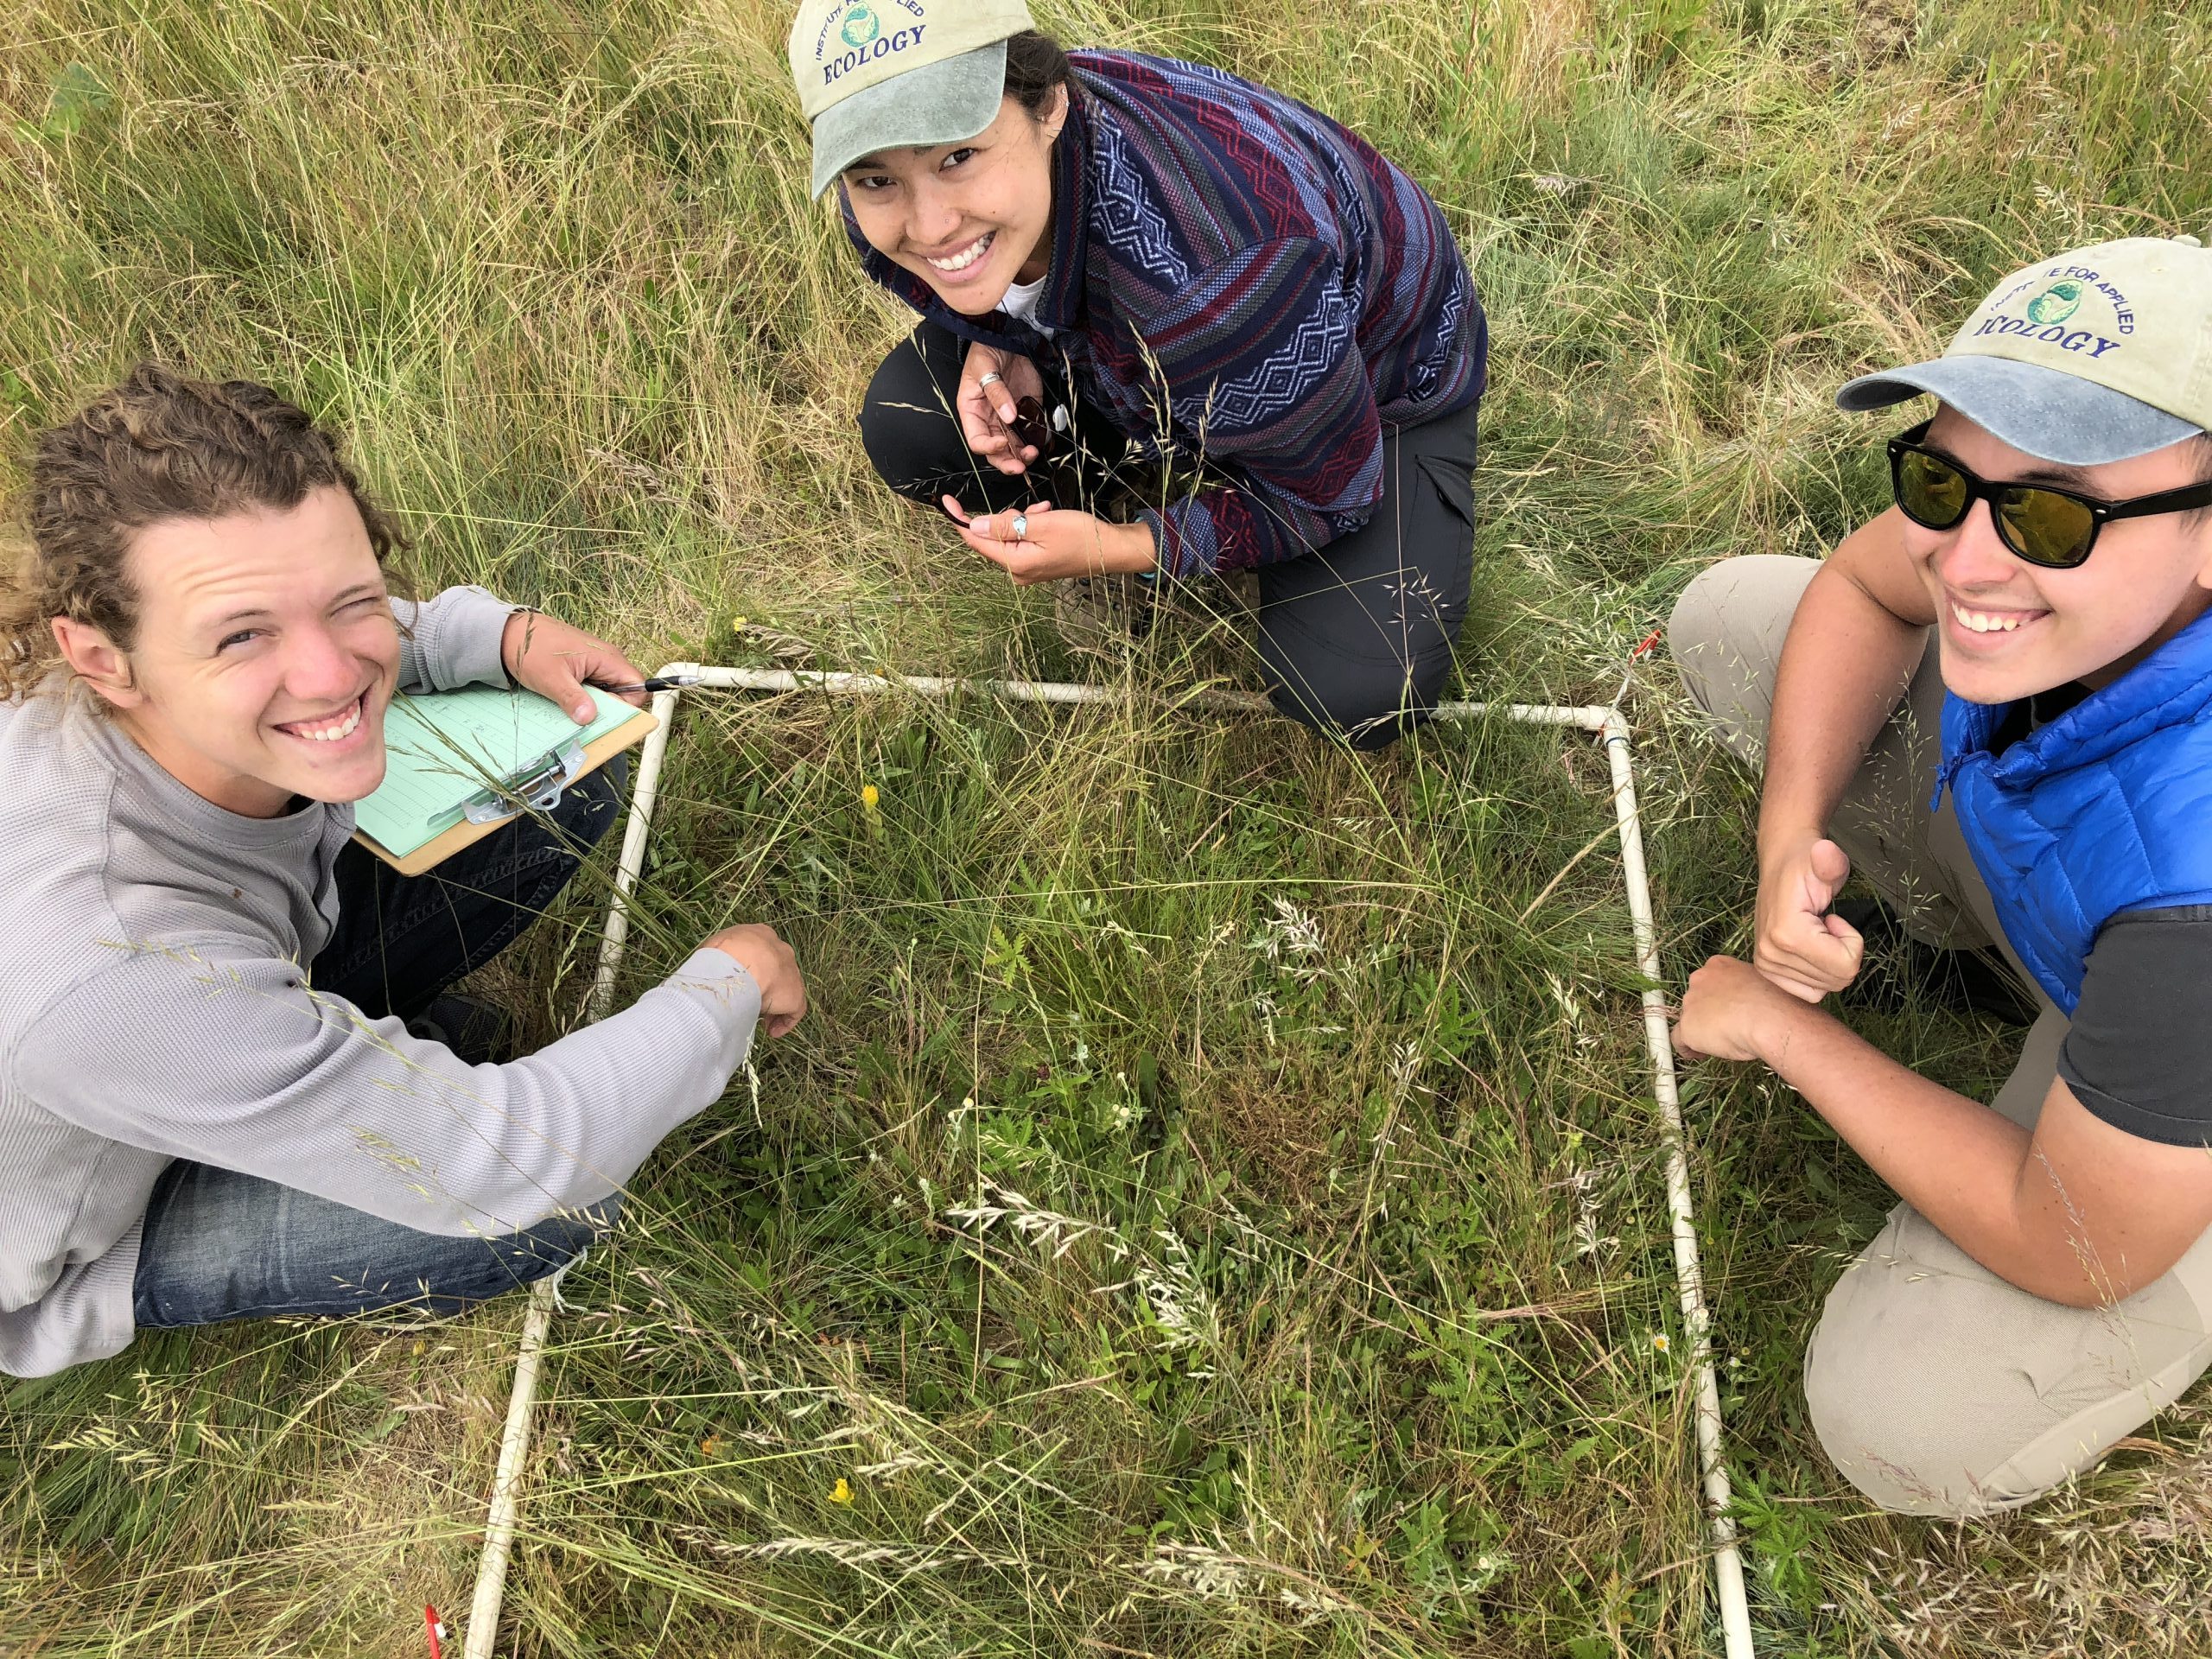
pixel 1606 723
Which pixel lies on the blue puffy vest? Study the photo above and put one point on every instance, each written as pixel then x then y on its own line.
pixel 2106 809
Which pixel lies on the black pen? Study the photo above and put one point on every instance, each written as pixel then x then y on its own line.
pixel 660 683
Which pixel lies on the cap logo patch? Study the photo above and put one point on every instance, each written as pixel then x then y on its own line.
pixel 2055 304
pixel 2053 297
pixel 861 27
pixel 861 31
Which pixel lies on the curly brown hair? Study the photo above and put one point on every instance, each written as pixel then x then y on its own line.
pixel 159 445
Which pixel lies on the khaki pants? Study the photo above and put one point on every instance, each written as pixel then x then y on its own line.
pixel 1935 1386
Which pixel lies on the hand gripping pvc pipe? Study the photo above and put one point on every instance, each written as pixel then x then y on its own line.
pixel 1606 723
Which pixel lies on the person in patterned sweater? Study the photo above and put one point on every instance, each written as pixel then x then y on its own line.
pixel 1174 324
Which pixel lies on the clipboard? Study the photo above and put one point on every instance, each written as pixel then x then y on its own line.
pixel 455 748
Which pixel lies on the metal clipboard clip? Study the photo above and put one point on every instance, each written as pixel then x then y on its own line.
pixel 538 788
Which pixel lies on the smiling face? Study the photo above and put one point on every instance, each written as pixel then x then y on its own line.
pixel 264 655
pixel 2009 629
pixel 969 218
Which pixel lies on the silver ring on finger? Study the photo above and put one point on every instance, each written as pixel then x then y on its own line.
pixel 989 379
pixel 1021 527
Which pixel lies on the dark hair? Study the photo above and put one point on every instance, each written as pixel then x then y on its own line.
pixel 1034 65
pixel 2201 447
pixel 160 445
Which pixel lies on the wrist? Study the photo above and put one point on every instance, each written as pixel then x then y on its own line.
pixel 1782 839
pixel 1777 1023
pixel 513 634
pixel 1129 548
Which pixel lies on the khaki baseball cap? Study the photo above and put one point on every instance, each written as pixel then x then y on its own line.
pixel 2096 355
pixel 885 74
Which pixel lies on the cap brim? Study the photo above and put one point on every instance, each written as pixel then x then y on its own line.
pixel 935 104
pixel 2043 412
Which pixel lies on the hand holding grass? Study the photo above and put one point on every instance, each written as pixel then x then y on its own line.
pixel 758 949
pixel 1040 544
pixel 1732 1010
pixel 987 407
pixel 1801 947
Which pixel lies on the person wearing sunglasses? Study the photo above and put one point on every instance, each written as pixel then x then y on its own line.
pixel 1172 325
pixel 1994 703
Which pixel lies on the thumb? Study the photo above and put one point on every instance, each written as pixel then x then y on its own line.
pixel 1830 864
pixel 564 688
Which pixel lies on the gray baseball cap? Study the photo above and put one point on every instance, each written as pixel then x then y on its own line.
pixel 2097 355
pixel 890 74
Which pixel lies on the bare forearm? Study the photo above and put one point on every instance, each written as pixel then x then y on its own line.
pixel 1845 666
pixel 1129 547
pixel 1958 1162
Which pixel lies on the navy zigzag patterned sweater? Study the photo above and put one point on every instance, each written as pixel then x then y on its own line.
pixel 1236 278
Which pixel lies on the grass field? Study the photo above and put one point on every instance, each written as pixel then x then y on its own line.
pixel 1214 1209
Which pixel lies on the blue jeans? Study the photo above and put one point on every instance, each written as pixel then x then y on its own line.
pixel 220 1245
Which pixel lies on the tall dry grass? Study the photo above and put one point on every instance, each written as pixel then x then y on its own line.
pixel 1214 1209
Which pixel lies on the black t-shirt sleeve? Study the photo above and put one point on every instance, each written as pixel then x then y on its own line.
pixel 2140 1053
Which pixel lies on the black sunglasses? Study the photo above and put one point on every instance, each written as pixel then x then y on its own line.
pixel 2053 529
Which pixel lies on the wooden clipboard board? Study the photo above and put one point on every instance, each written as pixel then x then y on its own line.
pixel 440 847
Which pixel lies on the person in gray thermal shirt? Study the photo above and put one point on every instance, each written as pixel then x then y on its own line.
pixel 211 1103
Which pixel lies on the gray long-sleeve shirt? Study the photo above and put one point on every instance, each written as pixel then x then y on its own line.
pixel 155 1005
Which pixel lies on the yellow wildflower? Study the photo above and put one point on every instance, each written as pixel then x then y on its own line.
pixel 711 1447
pixel 869 795
pixel 842 1492
pixel 737 625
